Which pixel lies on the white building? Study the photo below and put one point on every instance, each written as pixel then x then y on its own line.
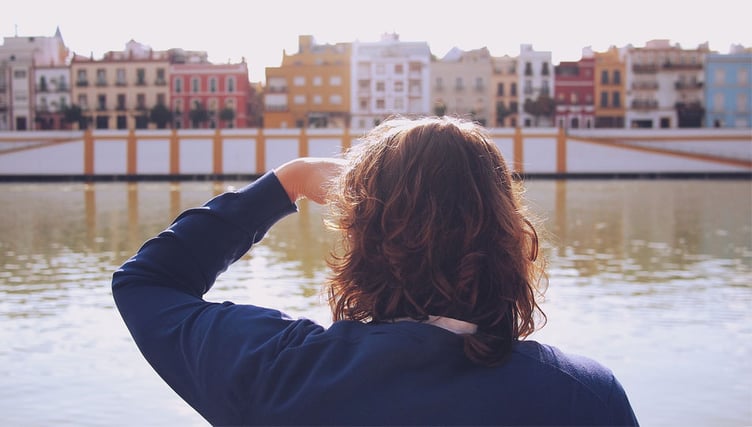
pixel 461 85
pixel 389 77
pixel 18 57
pixel 662 80
pixel 535 75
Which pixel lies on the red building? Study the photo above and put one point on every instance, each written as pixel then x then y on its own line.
pixel 574 86
pixel 205 95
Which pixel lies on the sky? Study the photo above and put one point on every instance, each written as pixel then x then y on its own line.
pixel 259 31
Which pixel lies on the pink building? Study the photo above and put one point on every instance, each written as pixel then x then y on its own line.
pixel 574 87
pixel 205 95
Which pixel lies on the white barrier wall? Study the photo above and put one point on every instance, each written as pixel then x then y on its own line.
pixel 254 151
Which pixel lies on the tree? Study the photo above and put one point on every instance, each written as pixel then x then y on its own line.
pixel 198 115
pixel 74 114
pixel 543 106
pixel 228 115
pixel 502 112
pixel 160 115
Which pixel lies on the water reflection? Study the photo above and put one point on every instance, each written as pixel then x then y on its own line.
pixel 651 277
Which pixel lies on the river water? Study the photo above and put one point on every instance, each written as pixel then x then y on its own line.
pixel 653 278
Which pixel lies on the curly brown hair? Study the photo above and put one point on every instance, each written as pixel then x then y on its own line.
pixel 432 224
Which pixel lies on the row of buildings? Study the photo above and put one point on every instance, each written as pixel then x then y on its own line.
pixel 358 84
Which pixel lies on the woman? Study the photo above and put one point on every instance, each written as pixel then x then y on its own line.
pixel 432 293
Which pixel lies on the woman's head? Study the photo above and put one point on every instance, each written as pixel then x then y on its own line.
pixel 433 225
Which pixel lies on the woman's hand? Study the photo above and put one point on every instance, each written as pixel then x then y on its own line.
pixel 309 177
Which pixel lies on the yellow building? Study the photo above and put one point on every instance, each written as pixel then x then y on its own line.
pixel 119 90
pixel 610 89
pixel 504 86
pixel 311 88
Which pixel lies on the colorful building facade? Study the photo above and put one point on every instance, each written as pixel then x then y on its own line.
pixel 574 87
pixel 728 89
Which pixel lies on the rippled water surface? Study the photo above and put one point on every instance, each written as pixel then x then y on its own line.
pixel 652 278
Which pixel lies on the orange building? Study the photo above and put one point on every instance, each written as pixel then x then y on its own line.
pixel 610 93
pixel 311 88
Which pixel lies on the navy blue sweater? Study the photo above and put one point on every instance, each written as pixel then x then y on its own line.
pixel 242 364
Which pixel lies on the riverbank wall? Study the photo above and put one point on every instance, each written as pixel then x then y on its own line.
pixel 226 154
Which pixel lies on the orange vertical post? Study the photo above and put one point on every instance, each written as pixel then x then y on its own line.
pixel 131 156
pixel 260 152
pixel 346 142
pixel 561 151
pixel 88 152
pixel 303 143
pixel 518 150
pixel 174 153
pixel 217 152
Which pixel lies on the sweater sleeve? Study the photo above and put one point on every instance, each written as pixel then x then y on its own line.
pixel 209 353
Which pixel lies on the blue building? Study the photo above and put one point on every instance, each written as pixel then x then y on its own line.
pixel 728 89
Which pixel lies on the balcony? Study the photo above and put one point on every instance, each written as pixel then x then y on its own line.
pixel 645 85
pixel 276 89
pixel 680 85
pixel 101 83
pixel 681 66
pixel 644 68
pixel 82 83
pixel 644 104
pixel 101 108
pixel 121 83
pixel 160 82
pixel 120 107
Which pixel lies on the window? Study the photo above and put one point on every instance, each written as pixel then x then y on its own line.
pixel 399 104
pixel 719 76
pixel 213 84
pixel 479 83
pixel 83 102
pixel 19 74
pixel 513 89
pixel 380 105
pixel 379 86
pixel 604 77
pixel 380 69
pixel 742 76
pixel 604 99
pixel 298 81
pixel 500 89
pixel 299 99
pixel 399 86
pixel 178 84
pixel 81 78
pixel 439 83
pixel 161 99
pixel 528 69
pixel 335 80
pixel 399 68
pixel 140 76
pixel 458 84
pixel 101 77
pixel 231 84
pixel 195 85
pixel 178 106
pixel 335 99
pixel 121 102
pixel 616 98
pixel 317 99
pixel 718 102
pixel 617 77
pixel 363 104
pixel 317 80
pixel 741 102
pixel 160 77
pixel 120 77
pixel 101 102
pixel 415 67
pixel 544 69
pixel 141 101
